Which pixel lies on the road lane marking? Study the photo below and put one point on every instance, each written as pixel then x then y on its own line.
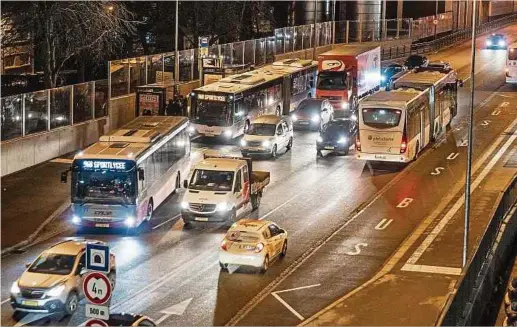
pixel 357 249
pixel 453 155
pixel 280 206
pixel 406 245
pixel 405 203
pixel 163 223
pixel 485 123
pixel 432 269
pixel 290 308
pixel 176 310
pixel 437 171
pixel 62 160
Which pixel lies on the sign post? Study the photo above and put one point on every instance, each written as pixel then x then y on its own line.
pixel 97 286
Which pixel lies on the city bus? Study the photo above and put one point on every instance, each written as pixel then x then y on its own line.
pixel 227 107
pixel 119 181
pixel 511 64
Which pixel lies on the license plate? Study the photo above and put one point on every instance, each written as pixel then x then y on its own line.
pixel 201 219
pixel 30 303
pixel 304 123
pixel 247 247
pixel 329 147
pixel 102 225
pixel 379 157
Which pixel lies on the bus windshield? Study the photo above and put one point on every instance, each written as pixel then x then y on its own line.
pixel 332 81
pixel 103 181
pixel 512 54
pixel 262 129
pixel 213 113
pixel 381 117
pixel 211 180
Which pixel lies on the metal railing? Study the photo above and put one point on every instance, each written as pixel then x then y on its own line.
pixel 459 305
pixel 42 111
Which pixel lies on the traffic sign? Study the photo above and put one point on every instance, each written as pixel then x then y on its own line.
pixel 97 288
pixel 203 46
pixel 97 257
pixel 97 311
pixel 96 323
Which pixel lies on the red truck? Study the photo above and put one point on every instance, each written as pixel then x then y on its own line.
pixel 347 73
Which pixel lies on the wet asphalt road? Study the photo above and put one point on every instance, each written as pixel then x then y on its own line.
pixel 308 197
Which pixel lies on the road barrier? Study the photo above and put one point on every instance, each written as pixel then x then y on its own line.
pixel 473 292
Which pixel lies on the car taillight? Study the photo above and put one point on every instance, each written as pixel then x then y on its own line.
pixel 403 143
pixel 259 247
pixel 357 143
pixel 224 246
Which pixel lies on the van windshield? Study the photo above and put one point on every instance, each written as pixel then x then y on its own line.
pixel 262 129
pixel 211 180
pixel 381 117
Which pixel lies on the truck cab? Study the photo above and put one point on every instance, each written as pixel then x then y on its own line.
pixel 221 189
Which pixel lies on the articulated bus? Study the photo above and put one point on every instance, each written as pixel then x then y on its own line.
pixel 119 181
pixel 511 64
pixel 227 107
pixel 397 125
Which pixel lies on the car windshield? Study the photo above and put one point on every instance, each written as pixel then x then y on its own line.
pixel 106 182
pixel 211 180
pixel 242 236
pixel 262 129
pixel 52 263
pixel 335 128
pixel 332 81
pixel 213 113
pixel 381 117
pixel 308 107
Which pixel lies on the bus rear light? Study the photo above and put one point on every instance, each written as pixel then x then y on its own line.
pixel 357 143
pixel 403 144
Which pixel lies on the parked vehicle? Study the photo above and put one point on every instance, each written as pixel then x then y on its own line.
pixel 496 41
pixel 337 136
pixel 52 283
pixel 390 73
pixel 511 64
pixel 313 114
pixel 220 189
pixel 254 243
pixel 348 73
pixel 267 135
pixel 414 61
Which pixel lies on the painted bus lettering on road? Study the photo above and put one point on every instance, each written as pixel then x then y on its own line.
pixel 496 112
pixel 383 224
pixel 405 203
pixel 464 143
pixel 485 123
pixel 357 249
pixel 453 155
pixel 505 104
pixel 437 171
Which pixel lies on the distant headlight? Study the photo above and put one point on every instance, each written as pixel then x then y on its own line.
pixel 15 289
pixel 342 140
pixel 383 78
pixel 243 142
pixel 184 205
pixel 319 139
pixel 222 206
pixel 344 105
pixel 56 291
pixel 266 144
pixel 501 43
pixel 130 221
pixel 488 42
pixel 315 118
pixel 191 129
pixel 293 117
pixel 76 220
pixel 228 133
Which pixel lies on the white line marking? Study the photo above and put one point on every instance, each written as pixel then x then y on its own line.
pixel 383 224
pixel 4 301
pixel 432 269
pixel 163 223
pixel 62 160
pixel 290 308
pixel 280 206
pixel 459 203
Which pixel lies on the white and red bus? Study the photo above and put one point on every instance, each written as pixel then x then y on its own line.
pixel 511 64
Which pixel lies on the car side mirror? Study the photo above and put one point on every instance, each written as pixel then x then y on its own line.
pixel 27 264
pixel 64 176
pixel 185 183
pixel 82 271
pixel 141 174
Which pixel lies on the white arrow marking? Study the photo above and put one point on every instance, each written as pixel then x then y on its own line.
pixel 290 308
pixel 31 317
pixel 177 310
pixel 485 123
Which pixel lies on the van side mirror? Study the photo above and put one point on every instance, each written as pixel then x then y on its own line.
pixel 64 176
pixel 141 175
pixel 185 183
pixel 27 264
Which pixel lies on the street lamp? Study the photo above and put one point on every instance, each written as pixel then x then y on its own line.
pixel 110 8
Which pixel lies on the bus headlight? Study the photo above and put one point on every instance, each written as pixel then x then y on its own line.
pixel 228 133
pixel 184 205
pixel 315 118
pixel 342 140
pixel 293 117
pixel 501 43
pixel 243 142
pixel 266 144
pixel 223 206
pixel 76 220
pixel 488 43
pixel 344 105
pixel 130 221
pixel 15 289
pixel 319 139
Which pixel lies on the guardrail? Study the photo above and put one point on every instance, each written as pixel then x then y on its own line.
pixel 473 280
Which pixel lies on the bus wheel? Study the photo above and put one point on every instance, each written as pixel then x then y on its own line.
pixel 149 210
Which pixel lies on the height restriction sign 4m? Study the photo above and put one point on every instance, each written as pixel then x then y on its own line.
pixel 97 288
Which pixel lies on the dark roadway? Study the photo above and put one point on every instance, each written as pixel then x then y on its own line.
pixel 311 199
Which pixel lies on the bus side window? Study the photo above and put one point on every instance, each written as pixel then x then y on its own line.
pixel 245 174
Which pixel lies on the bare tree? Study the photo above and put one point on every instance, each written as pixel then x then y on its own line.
pixel 63 30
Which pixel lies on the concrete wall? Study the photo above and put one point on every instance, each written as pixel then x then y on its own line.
pixel 31 150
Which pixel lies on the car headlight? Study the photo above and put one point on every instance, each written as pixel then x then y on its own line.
pixel 383 78
pixel 342 140
pixel 319 139
pixel 130 221
pixel 76 220
pixel 15 289
pixel 223 206
pixel 266 144
pixel 315 118
pixel 56 291
pixel 243 142
pixel 228 133
pixel 191 129
pixel 501 43
pixel 184 205
pixel 488 42
pixel 353 117
pixel 294 117
pixel 344 105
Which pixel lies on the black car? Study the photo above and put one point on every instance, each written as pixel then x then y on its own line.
pixel 337 136
pixel 496 41
pixel 391 73
pixel 440 66
pixel 129 319
pixel 414 61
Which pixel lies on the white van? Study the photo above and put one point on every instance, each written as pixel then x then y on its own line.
pixel 268 134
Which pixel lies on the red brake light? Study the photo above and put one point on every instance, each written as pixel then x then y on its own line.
pixel 259 247
pixel 357 143
pixel 403 144
pixel 224 245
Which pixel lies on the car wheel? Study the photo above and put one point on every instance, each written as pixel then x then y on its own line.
pixel 71 304
pixel 346 149
pixel 112 276
pixel 273 151
pixel 265 265
pixel 290 144
pixel 223 266
pixel 284 249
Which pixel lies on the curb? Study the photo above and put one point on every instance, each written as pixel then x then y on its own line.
pixel 35 234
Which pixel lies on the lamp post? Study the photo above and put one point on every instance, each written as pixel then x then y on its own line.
pixel 470 137
pixel 176 54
